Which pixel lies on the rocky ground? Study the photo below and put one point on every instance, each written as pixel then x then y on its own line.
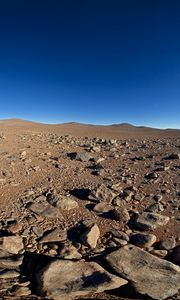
pixel 89 217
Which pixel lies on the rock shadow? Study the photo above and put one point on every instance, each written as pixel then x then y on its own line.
pixel 81 194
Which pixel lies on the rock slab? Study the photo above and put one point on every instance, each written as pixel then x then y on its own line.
pixel 62 279
pixel 148 274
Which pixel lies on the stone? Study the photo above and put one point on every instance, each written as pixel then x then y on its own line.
pixel 66 203
pixel 119 242
pixel 120 234
pixel 148 274
pixel 117 187
pixel 152 175
pixel 80 156
pixel 121 214
pixel 63 278
pixel 167 244
pixel 55 235
pixel 45 209
pixel 68 251
pixel 143 240
pixel 8 274
pixel 159 253
pixel 155 207
pixel 90 236
pixel 11 262
pixel 150 221
pixel 102 207
pixel 11 244
pixel 103 193
pixel 20 291
pixel 14 227
pixel 158 197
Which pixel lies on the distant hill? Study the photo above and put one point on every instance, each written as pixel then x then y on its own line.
pixel 120 131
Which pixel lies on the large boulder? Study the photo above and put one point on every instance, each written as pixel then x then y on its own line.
pixel 63 279
pixel 148 274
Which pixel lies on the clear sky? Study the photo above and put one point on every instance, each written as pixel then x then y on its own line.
pixel 92 61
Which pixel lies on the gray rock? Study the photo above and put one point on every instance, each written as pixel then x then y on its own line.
pixel 150 221
pixel 63 278
pixel 81 156
pixel 56 235
pixel 148 274
pixel 66 203
pixel 155 207
pixel 103 193
pixel 143 240
pixel 45 209
pixel 121 214
pixel 167 244
pixel 102 207
pixel 120 234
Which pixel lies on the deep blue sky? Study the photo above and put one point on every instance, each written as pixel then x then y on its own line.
pixel 93 61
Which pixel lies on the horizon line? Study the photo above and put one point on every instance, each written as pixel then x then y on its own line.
pixel 43 122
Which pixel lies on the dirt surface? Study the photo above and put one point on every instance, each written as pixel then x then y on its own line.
pixel 133 163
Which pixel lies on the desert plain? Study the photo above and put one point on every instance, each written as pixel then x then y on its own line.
pixel 89 212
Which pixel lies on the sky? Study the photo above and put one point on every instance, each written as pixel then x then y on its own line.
pixel 91 61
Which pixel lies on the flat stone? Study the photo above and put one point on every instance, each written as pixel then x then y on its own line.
pixel 63 278
pixel 56 235
pixel 46 210
pixel 20 291
pixel 150 221
pixel 143 240
pixel 148 274
pixel 159 253
pixel 5 254
pixel 120 234
pixel 11 262
pixel 11 244
pixel 102 207
pixel 155 207
pixel 8 274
